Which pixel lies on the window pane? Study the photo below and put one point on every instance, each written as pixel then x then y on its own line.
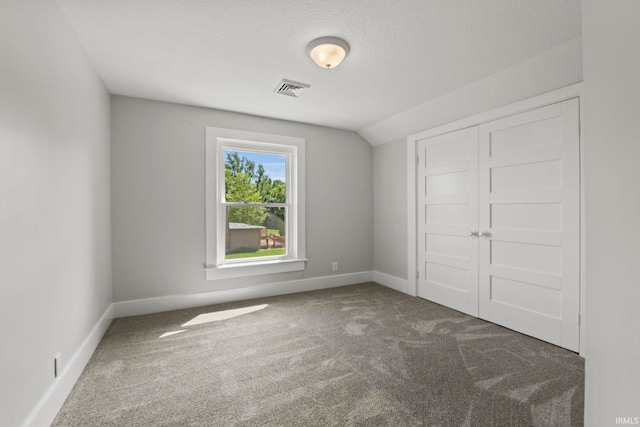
pixel 255 177
pixel 255 232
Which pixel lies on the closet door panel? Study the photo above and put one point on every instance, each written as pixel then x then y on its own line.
pixel 529 213
pixel 447 214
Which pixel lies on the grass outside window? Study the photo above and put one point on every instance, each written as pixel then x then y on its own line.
pixel 258 253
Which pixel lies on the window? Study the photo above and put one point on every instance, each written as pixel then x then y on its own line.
pixel 255 203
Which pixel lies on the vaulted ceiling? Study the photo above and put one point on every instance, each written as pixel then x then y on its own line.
pixel 231 54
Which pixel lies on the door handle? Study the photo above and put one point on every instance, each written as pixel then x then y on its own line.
pixel 485 234
pixel 473 234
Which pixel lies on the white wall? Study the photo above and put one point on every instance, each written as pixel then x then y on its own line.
pixel 55 256
pixel 611 105
pixel 390 208
pixel 158 187
pixel 556 68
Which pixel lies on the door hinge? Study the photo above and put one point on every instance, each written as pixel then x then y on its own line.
pixel 417 274
pixel 417 160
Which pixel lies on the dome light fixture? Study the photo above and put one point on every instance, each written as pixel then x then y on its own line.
pixel 328 52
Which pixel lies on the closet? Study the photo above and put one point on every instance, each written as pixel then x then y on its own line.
pixel 498 221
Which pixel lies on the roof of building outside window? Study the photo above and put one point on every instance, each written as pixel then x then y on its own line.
pixel 239 225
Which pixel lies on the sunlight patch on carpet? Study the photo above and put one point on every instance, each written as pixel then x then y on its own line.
pixel 168 334
pixel 217 316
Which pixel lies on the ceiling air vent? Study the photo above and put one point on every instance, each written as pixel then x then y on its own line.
pixel 291 88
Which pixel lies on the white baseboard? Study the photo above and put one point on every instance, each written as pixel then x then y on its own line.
pixel 47 408
pixel 176 302
pixel 393 282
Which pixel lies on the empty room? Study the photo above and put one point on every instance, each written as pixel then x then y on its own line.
pixel 315 213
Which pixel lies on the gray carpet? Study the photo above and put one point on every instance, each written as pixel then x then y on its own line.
pixel 361 355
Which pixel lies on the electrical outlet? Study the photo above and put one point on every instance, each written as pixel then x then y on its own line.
pixel 334 266
pixel 57 367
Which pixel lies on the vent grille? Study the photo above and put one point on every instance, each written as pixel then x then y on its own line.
pixel 291 88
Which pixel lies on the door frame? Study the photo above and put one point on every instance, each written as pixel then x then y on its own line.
pixel 559 95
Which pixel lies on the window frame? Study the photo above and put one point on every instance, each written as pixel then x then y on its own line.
pixel 217 141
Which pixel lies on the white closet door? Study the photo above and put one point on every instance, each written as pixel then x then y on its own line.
pixel 529 212
pixel 447 214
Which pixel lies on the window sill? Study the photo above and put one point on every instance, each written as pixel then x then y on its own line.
pixel 230 271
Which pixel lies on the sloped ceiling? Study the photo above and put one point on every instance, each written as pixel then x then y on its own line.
pixel 230 54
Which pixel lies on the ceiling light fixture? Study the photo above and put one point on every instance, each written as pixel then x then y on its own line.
pixel 328 52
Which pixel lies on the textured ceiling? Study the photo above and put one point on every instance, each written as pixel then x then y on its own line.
pixel 230 54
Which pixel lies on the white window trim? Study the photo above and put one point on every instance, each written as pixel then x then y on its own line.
pixel 215 266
